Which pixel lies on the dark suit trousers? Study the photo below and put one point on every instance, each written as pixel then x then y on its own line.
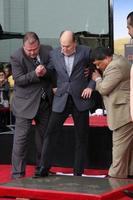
pixel 81 136
pixel 21 136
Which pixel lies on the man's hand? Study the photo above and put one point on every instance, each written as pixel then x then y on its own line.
pixel 40 70
pixel 86 72
pixel 54 90
pixel 96 75
pixel 86 93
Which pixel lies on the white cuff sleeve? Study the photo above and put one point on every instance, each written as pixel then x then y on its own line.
pixel 98 78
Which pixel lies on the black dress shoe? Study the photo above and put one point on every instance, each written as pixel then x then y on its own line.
pixel 128 193
pixel 51 173
pixel 77 174
pixel 18 175
pixel 130 176
pixel 108 176
pixel 41 172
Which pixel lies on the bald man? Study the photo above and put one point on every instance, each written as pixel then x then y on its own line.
pixel 71 97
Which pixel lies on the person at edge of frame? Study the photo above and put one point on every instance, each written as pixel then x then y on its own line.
pixel 114 86
pixel 130 32
pixel 32 98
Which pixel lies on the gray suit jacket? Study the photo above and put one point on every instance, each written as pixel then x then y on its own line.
pixel 74 84
pixel 27 89
pixel 115 89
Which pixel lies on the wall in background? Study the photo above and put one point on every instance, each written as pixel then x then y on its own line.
pixel 13 20
pixel 48 18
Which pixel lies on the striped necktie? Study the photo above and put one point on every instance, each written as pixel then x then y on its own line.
pixel 36 62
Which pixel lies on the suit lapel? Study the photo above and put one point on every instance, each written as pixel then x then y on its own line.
pixel 42 57
pixel 28 62
pixel 76 59
pixel 61 58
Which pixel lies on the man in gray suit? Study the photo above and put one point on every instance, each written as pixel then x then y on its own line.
pixel 114 86
pixel 71 97
pixel 32 98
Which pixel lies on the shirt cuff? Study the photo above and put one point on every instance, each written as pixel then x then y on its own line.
pixel 98 78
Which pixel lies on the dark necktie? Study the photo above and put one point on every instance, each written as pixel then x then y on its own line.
pixel 36 62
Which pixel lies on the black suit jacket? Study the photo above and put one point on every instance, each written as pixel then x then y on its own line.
pixel 28 87
pixel 76 83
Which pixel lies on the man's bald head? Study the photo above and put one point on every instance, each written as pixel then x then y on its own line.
pixel 67 42
pixel 67 34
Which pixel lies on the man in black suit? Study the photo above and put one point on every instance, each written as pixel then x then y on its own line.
pixel 71 97
pixel 32 98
